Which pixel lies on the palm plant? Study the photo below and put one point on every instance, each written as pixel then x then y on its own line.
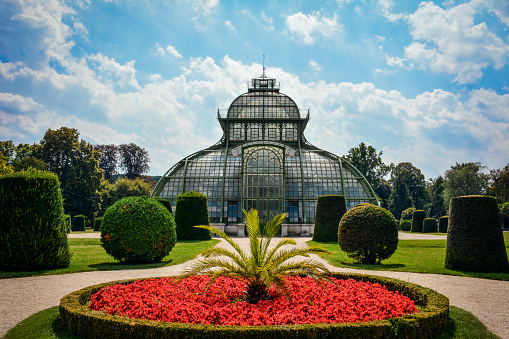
pixel 260 266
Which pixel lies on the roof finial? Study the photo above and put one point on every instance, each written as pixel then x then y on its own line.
pixel 263 74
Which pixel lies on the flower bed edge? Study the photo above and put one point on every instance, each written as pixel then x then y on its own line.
pixel 431 319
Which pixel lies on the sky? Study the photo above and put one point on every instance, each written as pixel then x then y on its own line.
pixel 422 82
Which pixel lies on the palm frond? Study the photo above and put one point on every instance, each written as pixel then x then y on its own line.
pixel 219 251
pixel 289 253
pixel 225 237
pixel 271 229
pixel 253 231
pixel 281 243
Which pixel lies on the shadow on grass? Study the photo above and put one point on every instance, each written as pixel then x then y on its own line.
pixel 379 267
pixel 47 324
pixel 108 266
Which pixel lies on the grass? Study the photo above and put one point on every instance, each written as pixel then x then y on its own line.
pixel 47 325
pixel 88 255
pixel 420 256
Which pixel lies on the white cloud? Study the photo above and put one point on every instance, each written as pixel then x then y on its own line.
pixel 112 72
pixel 268 21
pixel 501 9
pixel 315 66
pixel 304 28
pixel 386 6
pixel 229 25
pixel 448 41
pixel 173 52
pixel 205 7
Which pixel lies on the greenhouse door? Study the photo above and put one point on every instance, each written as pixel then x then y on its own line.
pixel 262 184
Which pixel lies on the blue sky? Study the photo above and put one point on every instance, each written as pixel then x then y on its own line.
pixel 424 82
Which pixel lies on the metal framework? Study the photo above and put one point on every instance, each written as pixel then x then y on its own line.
pixel 263 161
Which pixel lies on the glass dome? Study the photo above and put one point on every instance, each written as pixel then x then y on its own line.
pixel 263 161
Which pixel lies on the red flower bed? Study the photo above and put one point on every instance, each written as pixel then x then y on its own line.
pixel 163 300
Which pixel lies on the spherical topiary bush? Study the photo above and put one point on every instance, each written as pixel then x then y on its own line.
pixel 368 233
pixel 191 210
pixel 429 225
pixel 33 233
pixel 405 225
pixel 329 210
pixel 474 239
pixel 443 223
pixel 166 203
pixel 417 220
pixel 138 229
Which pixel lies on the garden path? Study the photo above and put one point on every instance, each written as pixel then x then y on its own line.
pixel 488 300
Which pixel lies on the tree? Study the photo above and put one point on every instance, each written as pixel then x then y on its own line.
pixel 7 149
pixel 4 166
pixel 108 160
pixel 464 179
pixel 436 198
pixel 21 157
pixel 369 163
pixel 499 183
pixel 262 265
pixel 400 198
pixel 76 164
pixel 414 180
pixel 133 160
pixel 111 193
pixel 383 191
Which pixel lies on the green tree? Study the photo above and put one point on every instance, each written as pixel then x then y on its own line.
pixel 76 164
pixel 499 183
pixel 400 198
pixel 436 197
pixel 108 160
pixel 7 149
pixel 111 193
pixel 261 266
pixel 464 179
pixel 414 180
pixel 369 163
pixel 4 166
pixel 133 160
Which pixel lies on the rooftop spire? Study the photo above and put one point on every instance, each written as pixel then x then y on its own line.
pixel 263 74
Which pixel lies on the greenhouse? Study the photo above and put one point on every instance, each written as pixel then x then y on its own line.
pixel 263 161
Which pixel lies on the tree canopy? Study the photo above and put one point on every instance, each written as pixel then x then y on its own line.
pixel 133 160
pixel 414 180
pixel 500 183
pixel 464 179
pixel 108 160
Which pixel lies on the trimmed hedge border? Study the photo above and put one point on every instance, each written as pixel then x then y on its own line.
pixel 432 318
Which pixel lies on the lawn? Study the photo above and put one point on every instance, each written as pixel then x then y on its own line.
pixel 420 256
pixel 88 255
pixel 47 325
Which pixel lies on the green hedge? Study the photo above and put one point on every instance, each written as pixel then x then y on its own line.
pixel 329 210
pixel 432 318
pixel 78 223
pixel 429 225
pixel 417 220
pixel 474 240
pixel 443 224
pixel 405 225
pixel 97 223
pixel 67 223
pixel 33 234
pixel 192 210
pixel 166 203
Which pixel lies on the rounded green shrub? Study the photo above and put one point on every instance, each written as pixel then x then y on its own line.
pixel 166 203
pixel 97 223
pixel 432 318
pixel 417 220
pixel 191 210
pixel 137 230
pixel 405 225
pixel 368 233
pixel 443 224
pixel 407 214
pixel 78 223
pixel 474 240
pixel 429 225
pixel 33 234
pixel 329 210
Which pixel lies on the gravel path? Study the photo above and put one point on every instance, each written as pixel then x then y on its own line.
pixel 488 300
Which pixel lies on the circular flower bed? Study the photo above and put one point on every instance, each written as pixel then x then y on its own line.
pixel 184 302
pixel 431 318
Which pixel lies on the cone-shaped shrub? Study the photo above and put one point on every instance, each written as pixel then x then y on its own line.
pixel 474 240
pixel 368 233
pixel 329 210
pixel 417 220
pixel 78 223
pixel 405 225
pixel 443 223
pixel 429 225
pixel 191 210
pixel 137 230
pixel 32 230
pixel 97 223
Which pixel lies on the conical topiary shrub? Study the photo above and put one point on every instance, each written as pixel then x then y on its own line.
pixel 474 240
pixel 191 210
pixel 417 220
pixel 329 210
pixel 429 225
pixel 443 223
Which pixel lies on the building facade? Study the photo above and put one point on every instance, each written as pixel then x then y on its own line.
pixel 263 161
